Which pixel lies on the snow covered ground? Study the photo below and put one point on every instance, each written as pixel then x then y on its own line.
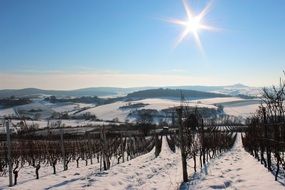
pixel 27 181
pixel 232 105
pixel 217 100
pixel 112 111
pixel 143 172
pixel 7 112
pixel 160 103
pixel 236 169
pixel 243 110
pixel 109 111
pixel 45 109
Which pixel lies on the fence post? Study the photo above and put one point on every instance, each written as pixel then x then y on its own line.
pixel 10 166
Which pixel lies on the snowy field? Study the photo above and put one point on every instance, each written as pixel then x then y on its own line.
pixel 232 105
pixel 143 172
pixel 7 112
pixel 109 111
pixel 159 103
pixel 112 112
pixel 45 109
pixel 236 169
pixel 211 101
pixel 69 107
pixel 244 110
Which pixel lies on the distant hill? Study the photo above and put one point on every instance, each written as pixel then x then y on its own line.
pixel 173 93
pixel 232 90
pixel 99 91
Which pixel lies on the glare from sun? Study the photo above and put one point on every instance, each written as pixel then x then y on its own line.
pixel 192 24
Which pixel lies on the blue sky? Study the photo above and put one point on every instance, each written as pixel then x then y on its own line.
pixel 127 43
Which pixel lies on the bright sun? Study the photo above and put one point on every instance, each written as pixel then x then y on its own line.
pixel 192 24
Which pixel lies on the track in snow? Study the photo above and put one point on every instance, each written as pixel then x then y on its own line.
pixel 237 169
pixel 143 172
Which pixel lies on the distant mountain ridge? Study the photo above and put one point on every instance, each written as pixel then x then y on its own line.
pixel 100 91
pixel 232 90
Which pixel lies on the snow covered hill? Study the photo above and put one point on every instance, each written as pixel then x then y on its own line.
pixel 120 111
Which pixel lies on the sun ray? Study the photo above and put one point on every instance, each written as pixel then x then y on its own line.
pixel 193 24
pixel 210 28
pixel 181 37
pixel 205 11
pixel 188 9
pixel 176 21
pixel 198 41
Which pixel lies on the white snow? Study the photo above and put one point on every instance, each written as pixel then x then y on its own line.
pixel 7 112
pixel 27 181
pixel 143 172
pixel 237 169
pixel 160 103
pixel 70 107
pixel 232 105
pixel 244 110
pixel 42 109
pixel 218 100
pixel 109 111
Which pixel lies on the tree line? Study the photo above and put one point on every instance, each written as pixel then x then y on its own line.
pixel 265 137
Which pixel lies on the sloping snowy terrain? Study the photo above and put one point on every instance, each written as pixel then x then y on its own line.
pixel 212 101
pixel 162 103
pixel 45 109
pixel 27 181
pixel 112 111
pixel 69 107
pixel 143 172
pixel 243 110
pixel 7 112
pixel 236 169
pixel 232 106
pixel 109 111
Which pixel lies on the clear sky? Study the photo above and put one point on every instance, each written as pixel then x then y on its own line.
pixel 67 44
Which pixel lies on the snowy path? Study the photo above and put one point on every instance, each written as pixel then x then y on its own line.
pixel 143 172
pixel 237 169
